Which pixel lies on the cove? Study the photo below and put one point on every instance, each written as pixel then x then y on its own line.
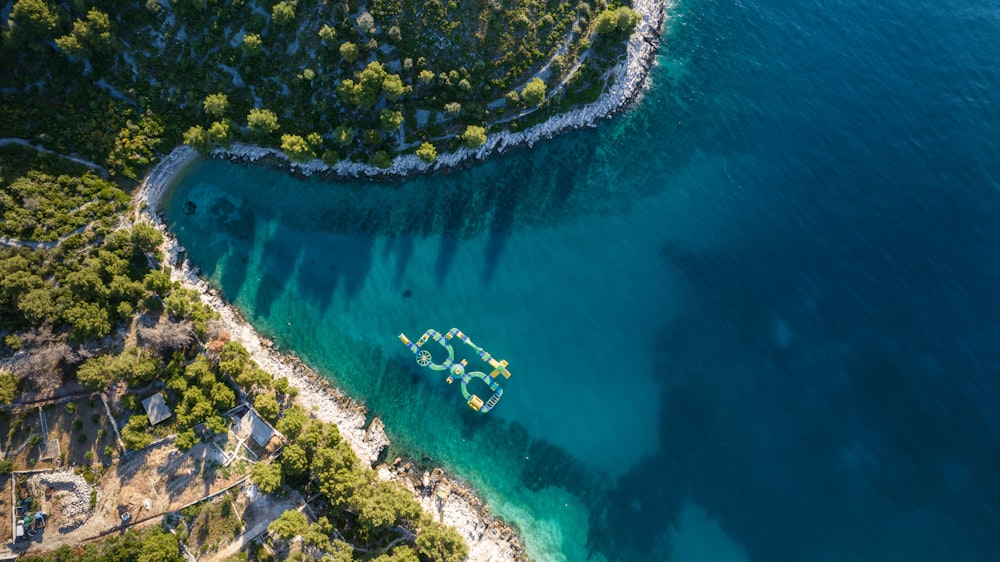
pixel 754 318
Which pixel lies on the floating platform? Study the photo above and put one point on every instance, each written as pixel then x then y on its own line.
pixel 457 371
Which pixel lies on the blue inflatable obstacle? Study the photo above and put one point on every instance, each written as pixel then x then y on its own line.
pixel 456 371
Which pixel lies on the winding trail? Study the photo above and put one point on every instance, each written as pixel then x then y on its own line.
pixel 40 148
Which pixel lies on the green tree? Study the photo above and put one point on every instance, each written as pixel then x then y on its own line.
pixel 216 104
pixel 216 424
pixel 317 435
pixel 318 534
pixel 89 320
pixel 92 35
pixel 398 554
pixel 31 21
pixel 474 136
pixel 365 89
pixel 267 476
pixel 160 546
pixel 440 543
pixel 427 152
pixel 262 122
pixel 146 238
pixel 349 52
pixel 251 44
pixel 186 439
pixel 97 373
pixel 267 406
pixel 39 306
pixel 157 282
pixel 390 119
pixel 292 421
pixel 233 358
pixel 135 145
pixel 393 87
pixel 383 505
pixel 223 397
pixel 292 523
pixel 372 137
pixel 339 551
pixel 197 138
pixel 343 135
pixel 253 378
pixel 134 433
pixel 100 35
pixel 533 93
pixel 381 159
pixel 333 465
pixel 294 461
pixel 8 387
pixel 87 284
pixel 426 77
pixel 327 34
pixel 617 21
pixel 220 132
pixel 296 148
pixel 283 13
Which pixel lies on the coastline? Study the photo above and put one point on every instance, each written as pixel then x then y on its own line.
pixel 442 496
pixel 447 499
pixel 631 77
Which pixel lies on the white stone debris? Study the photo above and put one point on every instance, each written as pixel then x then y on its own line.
pixel 69 491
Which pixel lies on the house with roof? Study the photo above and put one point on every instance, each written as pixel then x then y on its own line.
pixel 156 408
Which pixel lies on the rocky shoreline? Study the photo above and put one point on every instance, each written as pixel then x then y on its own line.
pixel 631 77
pixel 448 499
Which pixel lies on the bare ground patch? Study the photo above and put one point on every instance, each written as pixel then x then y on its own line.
pixel 145 484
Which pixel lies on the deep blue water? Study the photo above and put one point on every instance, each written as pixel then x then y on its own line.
pixel 755 318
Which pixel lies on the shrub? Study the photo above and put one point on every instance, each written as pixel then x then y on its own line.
pixel 427 152
pixel 473 137
pixel 381 159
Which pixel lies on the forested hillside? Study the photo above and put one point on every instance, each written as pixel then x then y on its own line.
pixel 115 81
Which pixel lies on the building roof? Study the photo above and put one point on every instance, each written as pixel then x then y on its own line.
pixel 251 425
pixel 156 408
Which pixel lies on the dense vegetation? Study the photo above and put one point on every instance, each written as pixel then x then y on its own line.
pixel 359 509
pixel 114 81
pixel 151 545
pixel 94 308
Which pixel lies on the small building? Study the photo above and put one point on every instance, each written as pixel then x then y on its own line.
pixel 258 436
pixel 156 408
pixel 252 426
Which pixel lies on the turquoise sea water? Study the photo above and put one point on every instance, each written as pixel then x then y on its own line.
pixel 755 318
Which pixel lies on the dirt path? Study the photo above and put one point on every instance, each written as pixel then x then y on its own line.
pixel 39 148
pixel 260 512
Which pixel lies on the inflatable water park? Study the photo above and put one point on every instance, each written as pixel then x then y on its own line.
pixel 456 371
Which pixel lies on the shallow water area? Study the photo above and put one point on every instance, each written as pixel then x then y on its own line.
pixel 752 319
